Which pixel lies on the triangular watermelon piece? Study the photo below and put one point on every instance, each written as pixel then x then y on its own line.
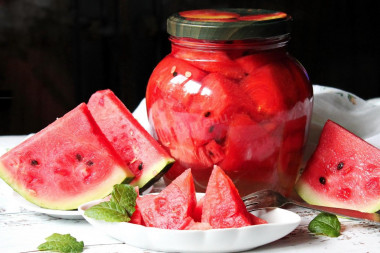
pixel 66 164
pixel 140 151
pixel 344 171
pixel 173 207
pixel 222 205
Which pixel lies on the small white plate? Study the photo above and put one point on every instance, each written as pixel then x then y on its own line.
pixel 280 223
pixel 63 214
pixel 69 215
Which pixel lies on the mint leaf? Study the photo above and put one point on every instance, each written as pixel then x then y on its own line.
pixel 125 195
pixel 119 208
pixel 108 211
pixel 62 243
pixel 325 224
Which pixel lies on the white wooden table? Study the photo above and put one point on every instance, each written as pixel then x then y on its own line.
pixel 22 230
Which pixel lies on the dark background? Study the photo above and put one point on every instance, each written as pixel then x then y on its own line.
pixel 55 54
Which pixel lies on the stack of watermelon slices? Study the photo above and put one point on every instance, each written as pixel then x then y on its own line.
pixel 176 207
pixel 79 157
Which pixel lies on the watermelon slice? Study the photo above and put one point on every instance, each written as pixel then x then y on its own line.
pixel 213 61
pixel 253 62
pixel 178 76
pixel 217 97
pixel 140 151
pixel 66 164
pixel 222 205
pixel 249 145
pixel 344 172
pixel 267 90
pixel 173 207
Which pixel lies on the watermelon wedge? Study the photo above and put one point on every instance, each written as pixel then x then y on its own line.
pixel 173 207
pixel 344 171
pixel 140 151
pixel 222 205
pixel 66 164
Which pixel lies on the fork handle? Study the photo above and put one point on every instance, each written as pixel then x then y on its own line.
pixel 374 217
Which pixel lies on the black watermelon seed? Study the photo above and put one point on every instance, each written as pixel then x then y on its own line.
pixel 211 129
pixel 340 165
pixel 79 157
pixel 207 114
pixel 322 180
pixel 90 163
pixel 34 162
pixel 140 166
pixel 175 73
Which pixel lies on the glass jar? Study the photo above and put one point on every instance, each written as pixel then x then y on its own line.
pixel 230 94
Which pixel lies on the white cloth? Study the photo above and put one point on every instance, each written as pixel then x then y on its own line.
pixel 359 116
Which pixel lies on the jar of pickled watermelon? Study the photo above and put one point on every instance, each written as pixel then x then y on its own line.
pixel 229 94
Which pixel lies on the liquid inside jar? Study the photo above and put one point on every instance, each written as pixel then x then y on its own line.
pixel 243 105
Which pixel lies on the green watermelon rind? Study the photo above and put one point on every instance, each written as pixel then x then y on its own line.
pixel 316 198
pixel 153 173
pixel 72 203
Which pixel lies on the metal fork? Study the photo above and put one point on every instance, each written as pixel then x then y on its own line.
pixel 270 198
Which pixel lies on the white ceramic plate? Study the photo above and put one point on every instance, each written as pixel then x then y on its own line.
pixel 70 215
pixel 280 223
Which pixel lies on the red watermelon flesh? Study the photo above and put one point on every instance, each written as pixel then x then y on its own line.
pixel 177 76
pixel 213 61
pixel 173 207
pixel 171 132
pixel 147 159
pixel 222 205
pixel 247 145
pixel 265 91
pixel 136 217
pixel 198 226
pixel 252 62
pixel 300 77
pixel 197 214
pixel 217 97
pixel 66 164
pixel 344 171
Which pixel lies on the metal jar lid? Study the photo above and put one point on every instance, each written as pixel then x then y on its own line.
pixel 229 24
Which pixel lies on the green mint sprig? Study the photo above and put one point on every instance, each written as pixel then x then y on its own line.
pixel 325 224
pixel 119 208
pixel 62 243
